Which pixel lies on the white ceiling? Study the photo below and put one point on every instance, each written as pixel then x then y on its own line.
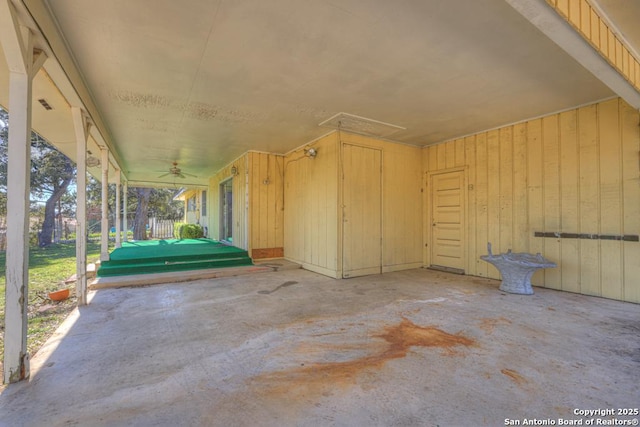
pixel 203 81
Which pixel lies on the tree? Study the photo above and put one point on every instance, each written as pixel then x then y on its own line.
pixel 142 213
pixel 4 139
pixel 51 174
pixel 159 201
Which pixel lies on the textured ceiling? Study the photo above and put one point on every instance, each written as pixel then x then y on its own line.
pixel 202 82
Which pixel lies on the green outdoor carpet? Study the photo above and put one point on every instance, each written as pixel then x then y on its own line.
pixel 161 256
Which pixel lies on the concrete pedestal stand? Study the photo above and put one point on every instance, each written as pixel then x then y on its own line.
pixel 516 269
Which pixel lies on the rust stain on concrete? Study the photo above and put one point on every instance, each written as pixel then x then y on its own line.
pixel 489 324
pixel 514 376
pixel 397 340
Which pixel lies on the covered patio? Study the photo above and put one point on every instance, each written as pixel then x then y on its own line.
pixel 417 347
pixel 354 139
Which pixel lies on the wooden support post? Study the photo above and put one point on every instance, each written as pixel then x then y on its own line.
pixel 24 62
pixel 82 132
pixel 104 225
pixel 124 213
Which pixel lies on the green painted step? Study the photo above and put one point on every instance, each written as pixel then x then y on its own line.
pixel 159 256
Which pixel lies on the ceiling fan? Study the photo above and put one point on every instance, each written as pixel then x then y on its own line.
pixel 176 172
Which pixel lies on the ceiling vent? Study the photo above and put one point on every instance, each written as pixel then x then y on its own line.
pixel 45 104
pixel 361 125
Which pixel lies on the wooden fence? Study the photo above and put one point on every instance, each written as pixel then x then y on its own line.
pixel 161 228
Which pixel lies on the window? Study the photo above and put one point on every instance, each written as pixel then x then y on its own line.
pixel 204 203
pixel 191 204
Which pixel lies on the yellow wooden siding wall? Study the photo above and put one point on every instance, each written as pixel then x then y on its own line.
pixel 186 195
pixel 586 20
pixel 311 207
pixel 266 204
pixel 312 197
pixel 240 202
pixel 402 214
pixel 195 217
pixel 574 172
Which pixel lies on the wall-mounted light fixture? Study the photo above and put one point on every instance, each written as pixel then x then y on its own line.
pixel 234 170
pixel 311 152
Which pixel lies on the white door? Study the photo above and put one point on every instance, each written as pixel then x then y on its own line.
pixel 447 221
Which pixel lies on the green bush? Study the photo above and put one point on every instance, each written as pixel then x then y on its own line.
pixel 177 229
pixel 187 231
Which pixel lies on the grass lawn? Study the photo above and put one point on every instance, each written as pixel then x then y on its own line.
pixel 48 269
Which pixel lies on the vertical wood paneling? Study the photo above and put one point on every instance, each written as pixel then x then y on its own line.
pixel 551 197
pixel 425 203
pixel 590 25
pixel 619 53
pixel 433 157
pixel 520 209
pixel 482 202
pixel 459 153
pixel 313 217
pixel 441 156
pixel 630 135
pixel 585 19
pixel 257 206
pixel 569 194
pixel 595 29
pixel 362 195
pixel 589 198
pixel 279 195
pixel 402 213
pixel 611 43
pixel 450 154
pixel 266 196
pixel 610 198
pixel 604 39
pixel 472 246
pixel 574 172
pixel 315 243
pixel 240 202
pixel 563 7
pixel 311 206
pixel 535 191
pixel 260 191
pixel 574 12
pixel 506 188
pixel 493 195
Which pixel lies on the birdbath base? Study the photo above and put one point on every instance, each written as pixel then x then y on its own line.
pixel 516 269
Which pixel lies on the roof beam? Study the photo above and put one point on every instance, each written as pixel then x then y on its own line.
pixel 550 23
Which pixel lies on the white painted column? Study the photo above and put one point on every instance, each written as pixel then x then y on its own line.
pixel 104 225
pixel 118 219
pixel 125 192
pixel 23 62
pixel 82 132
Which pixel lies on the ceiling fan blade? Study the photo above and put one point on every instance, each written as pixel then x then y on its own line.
pixel 164 174
pixel 189 174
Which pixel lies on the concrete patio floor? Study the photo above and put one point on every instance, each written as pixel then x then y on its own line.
pixel 293 348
